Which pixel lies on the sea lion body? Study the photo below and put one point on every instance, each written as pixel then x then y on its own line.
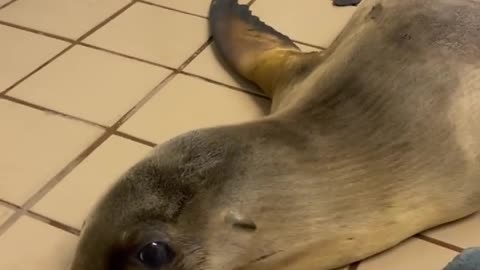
pixel 376 142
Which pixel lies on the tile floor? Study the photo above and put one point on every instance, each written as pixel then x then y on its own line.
pixel 87 87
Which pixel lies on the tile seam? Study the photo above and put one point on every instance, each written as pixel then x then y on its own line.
pixel 134 138
pixel 171 9
pixel 234 88
pixel 439 243
pixel 52 222
pixel 26 207
pixel 35 31
pixel 10 88
pixel 51 111
pixel 39 194
pixel 9 205
pixel 77 41
pixel 76 118
pixel 105 21
pixel 246 90
pixel 7 4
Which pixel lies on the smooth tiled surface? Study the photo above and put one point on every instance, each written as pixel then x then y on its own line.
pixel 24 52
pixel 315 22
pixel 413 254
pixel 198 7
pixel 91 84
pixel 100 86
pixel 152 33
pixel 67 18
pixel 39 145
pixel 464 233
pixel 31 244
pixel 188 103
pixel 5 213
pixel 80 190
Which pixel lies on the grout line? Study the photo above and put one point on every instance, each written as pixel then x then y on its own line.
pixel 83 155
pixel 195 54
pixel 7 4
pixel 75 42
pixel 54 223
pixel 65 171
pixel 172 9
pixel 256 93
pixel 53 182
pixel 38 32
pixel 354 266
pixel 143 101
pixel 37 69
pixel 9 205
pixel 126 56
pixel 25 209
pixel 235 88
pixel 135 139
pixel 439 243
pixel 107 20
pixel 47 110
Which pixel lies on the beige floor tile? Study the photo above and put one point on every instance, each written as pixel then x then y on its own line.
pixel 30 244
pixel 72 199
pixel 5 213
pixel 198 7
pixel 316 22
pixel 91 84
pixel 38 145
pixel 68 18
pixel 414 254
pixel 463 233
pixel 208 65
pixel 188 103
pixel 152 33
pixel 21 52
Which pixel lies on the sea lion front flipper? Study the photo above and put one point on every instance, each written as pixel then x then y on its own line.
pixel 255 50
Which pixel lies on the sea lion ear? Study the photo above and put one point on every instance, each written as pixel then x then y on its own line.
pixel 255 50
pixel 239 221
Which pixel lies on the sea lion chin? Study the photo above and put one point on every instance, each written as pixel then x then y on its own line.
pixel 368 143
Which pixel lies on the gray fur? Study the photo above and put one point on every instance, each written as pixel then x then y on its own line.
pixel 378 143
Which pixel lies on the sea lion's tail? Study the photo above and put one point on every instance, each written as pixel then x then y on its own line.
pixel 255 50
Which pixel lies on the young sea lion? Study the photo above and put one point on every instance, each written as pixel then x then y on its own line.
pixel 368 143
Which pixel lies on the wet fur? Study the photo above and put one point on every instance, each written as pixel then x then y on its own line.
pixel 378 143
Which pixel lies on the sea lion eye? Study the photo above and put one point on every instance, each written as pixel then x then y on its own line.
pixel 156 254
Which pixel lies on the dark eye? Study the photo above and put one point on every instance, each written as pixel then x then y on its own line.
pixel 156 254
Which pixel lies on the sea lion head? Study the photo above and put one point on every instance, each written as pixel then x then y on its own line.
pixel 160 214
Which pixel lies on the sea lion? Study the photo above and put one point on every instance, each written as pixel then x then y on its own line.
pixel 368 143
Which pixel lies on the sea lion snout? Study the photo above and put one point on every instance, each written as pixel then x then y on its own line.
pixel 157 214
pixel 143 248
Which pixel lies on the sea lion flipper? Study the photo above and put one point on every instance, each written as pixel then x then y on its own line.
pixel 253 49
